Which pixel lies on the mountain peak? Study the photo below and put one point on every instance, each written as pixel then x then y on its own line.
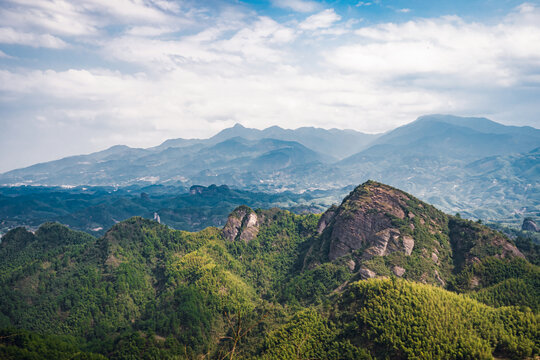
pixel 369 218
pixel 274 127
pixel 379 229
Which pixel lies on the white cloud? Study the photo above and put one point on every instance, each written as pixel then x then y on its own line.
pixel 258 42
pixel 166 5
pixel 198 102
pixel 149 31
pixel 127 11
pixel 404 10
pixel 297 5
pixel 447 49
pixel 55 17
pixel 10 36
pixel 237 67
pixel 89 17
pixel 324 19
pixel 162 55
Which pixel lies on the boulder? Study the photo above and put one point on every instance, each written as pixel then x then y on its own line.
pixel 242 224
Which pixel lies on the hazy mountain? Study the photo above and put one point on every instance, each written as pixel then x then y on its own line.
pixel 526 166
pixel 123 165
pixel 451 137
pixel 273 285
pixel 336 143
pixel 333 142
pixel 460 164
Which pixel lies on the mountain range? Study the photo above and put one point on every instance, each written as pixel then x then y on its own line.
pixel 474 166
pixel 382 275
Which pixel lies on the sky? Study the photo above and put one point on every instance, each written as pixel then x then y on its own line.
pixel 80 76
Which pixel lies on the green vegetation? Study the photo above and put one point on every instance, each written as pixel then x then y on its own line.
pixel 308 335
pixel 16 344
pixel 399 319
pixel 96 209
pixel 500 282
pixel 313 286
pixel 145 291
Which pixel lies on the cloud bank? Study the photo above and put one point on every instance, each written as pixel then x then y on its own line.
pixel 140 72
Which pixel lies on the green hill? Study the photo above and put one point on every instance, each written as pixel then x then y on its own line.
pixel 274 285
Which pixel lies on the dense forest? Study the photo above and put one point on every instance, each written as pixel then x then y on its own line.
pixel 383 275
pixel 94 209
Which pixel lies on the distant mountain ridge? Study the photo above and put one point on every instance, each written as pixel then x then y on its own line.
pixel 336 143
pixel 460 137
pixel 440 158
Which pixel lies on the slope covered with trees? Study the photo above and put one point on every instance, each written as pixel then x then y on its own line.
pixel 273 285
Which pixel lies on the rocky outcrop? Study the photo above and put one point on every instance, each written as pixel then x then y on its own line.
pixel 351 264
pixel 530 225
pixel 366 273
pixel 365 221
pixel 242 224
pixel 408 244
pixel 376 220
pixel 398 271
pixel 326 219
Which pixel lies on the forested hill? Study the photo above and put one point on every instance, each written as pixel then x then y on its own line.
pixel 382 275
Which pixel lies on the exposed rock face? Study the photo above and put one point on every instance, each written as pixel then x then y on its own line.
pixel 439 279
pixel 509 250
pixel 364 221
pixel 530 225
pixel 243 224
pixel 408 244
pixel 398 271
pixel 376 220
pixel 365 273
pixel 351 264
pixel 378 230
pixel 326 219
pixel 196 189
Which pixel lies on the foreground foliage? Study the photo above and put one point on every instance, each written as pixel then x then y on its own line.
pixel 409 320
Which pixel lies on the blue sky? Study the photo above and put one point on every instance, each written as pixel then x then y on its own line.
pixel 80 76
